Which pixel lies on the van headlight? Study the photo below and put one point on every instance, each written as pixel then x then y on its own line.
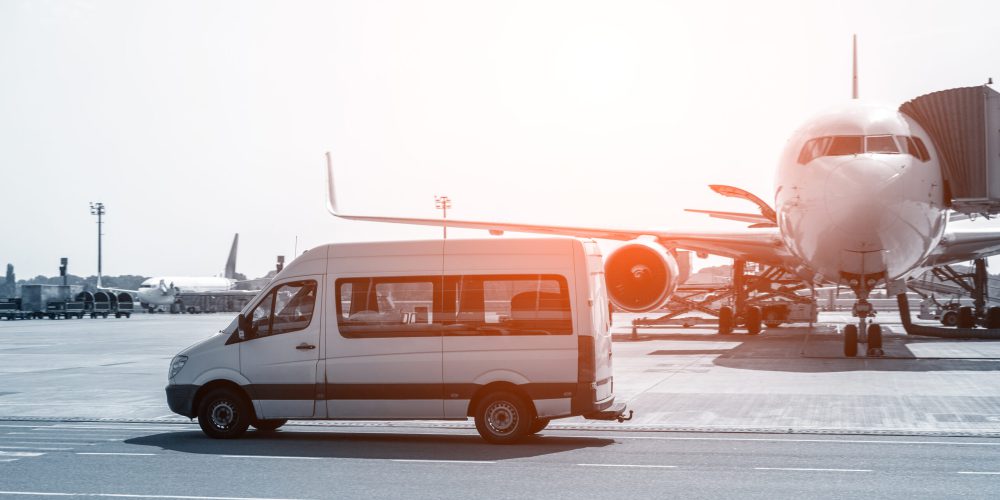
pixel 176 364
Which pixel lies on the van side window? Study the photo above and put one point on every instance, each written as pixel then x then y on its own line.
pixel 419 306
pixel 509 305
pixel 294 306
pixel 288 308
pixel 260 318
pixel 387 307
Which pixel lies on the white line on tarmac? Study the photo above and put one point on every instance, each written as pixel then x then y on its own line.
pixel 270 456
pixel 791 440
pixel 20 454
pixel 49 443
pixel 33 448
pixel 445 461
pixel 982 473
pixel 184 426
pixel 126 495
pixel 62 435
pixel 8 459
pixel 806 469
pixel 118 454
pixel 630 465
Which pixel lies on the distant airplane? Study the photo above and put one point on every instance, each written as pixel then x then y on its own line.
pixel 859 201
pixel 163 290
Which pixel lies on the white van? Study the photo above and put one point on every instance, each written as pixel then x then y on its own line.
pixel 512 332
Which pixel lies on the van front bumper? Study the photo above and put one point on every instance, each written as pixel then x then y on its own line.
pixel 180 399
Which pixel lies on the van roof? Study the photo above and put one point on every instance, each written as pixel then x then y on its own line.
pixel 314 261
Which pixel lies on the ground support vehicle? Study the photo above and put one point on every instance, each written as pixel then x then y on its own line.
pixel 756 296
pixel 511 332
pixel 11 309
pixel 124 305
pixel 64 309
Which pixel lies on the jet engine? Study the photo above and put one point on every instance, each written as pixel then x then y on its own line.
pixel 641 276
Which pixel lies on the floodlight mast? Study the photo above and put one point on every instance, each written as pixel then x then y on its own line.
pixel 443 203
pixel 97 208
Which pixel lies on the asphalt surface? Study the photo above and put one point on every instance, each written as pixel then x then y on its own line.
pixel 82 413
pixel 315 462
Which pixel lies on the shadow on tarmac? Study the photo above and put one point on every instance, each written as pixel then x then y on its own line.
pixel 294 443
pixel 795 349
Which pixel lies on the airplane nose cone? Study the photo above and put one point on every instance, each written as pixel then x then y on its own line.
pixel 858 196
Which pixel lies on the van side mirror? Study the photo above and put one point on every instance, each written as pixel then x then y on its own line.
pixel 242 327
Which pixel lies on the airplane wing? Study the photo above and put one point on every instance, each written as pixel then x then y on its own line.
pixel 965 244
pixel 761 245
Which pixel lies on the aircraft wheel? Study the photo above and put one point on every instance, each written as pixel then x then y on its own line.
pixel 875 340
pixel 851 341
pixel 753 320
pixel 966 318
pixel 993 317
pixel 726 320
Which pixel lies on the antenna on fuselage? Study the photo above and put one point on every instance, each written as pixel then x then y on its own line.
pixel 854 80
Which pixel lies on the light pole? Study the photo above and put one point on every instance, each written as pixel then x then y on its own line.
pixel 97 208
pixel 443 203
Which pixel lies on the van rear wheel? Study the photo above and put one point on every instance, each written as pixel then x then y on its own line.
pixel 268 425
pixel 224 414
pixel 538 425
pixel 503 418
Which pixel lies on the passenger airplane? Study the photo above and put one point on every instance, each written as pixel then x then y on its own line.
pixel 163 290
pixel 859 200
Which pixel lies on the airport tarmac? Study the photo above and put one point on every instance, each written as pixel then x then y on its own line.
pixel 788 380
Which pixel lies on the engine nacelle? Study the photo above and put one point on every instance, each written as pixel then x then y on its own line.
pixel 641 276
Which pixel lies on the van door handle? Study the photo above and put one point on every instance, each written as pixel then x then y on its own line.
pixel 305 346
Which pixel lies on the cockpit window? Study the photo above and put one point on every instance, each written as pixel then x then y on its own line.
pixel 843 145
pixel 880 144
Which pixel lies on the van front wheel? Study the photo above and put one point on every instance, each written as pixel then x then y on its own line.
pixel 268 425
pixel 503 418
pixel 224 414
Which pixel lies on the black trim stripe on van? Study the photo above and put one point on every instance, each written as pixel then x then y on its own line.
pixel 396 391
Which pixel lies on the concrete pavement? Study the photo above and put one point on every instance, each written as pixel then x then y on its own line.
pixel 785 380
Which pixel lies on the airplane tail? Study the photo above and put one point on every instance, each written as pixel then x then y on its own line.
pixel 231 261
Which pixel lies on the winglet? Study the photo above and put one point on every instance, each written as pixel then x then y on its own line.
pixel 331 193
pixel 734 192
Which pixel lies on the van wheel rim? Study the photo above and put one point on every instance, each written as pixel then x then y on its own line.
pixel 502 418
pixel 223 415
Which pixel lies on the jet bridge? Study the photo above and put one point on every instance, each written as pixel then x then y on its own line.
pixel 964 124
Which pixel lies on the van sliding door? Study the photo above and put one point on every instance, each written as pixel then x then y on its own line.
pixel 383 357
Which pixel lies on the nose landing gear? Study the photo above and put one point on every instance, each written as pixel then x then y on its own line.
pixel 864 332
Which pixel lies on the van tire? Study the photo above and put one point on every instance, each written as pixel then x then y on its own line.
pixel 224 414
pixel 538 425
pixel 503 418
pixel 268 425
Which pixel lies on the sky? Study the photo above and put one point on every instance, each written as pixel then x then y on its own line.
pixel 194 120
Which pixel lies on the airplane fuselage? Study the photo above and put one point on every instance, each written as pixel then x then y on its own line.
pixel 151 292
pixel 859 195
